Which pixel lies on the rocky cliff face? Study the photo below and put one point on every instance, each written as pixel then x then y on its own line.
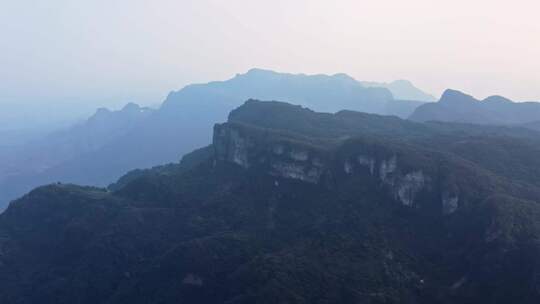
pixel 278 154
pixel 328 162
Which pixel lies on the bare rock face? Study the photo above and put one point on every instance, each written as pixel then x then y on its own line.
pixel 278 155
pixel 298 155
pixel 404 186
pixel 449 202
pixel 368 162
pixel 236 147
pixel 409 186
pixel 296 171
pixel 283 155
pixel 387 167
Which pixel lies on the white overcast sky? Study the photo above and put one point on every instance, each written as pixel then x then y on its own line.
pixel 133 50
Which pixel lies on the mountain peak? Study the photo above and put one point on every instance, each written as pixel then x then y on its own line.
pixel 259 72
pixel 131 106
pixel 498 99
pixel 402 89
pixel 403 82
pixel 455 106
pixel 344 76
pixel 456 96
pixel 102 110
pixel 100 113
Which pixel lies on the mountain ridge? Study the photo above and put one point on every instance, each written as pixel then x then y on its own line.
pixel 402 89
pixel 455 106
pixel 302 206
pixel 33 164
pixel 189 113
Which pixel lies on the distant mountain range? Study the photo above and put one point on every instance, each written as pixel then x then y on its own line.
pixel 455 106
pixel 112 143
pixel 40 161
pixel 289 205
pixel 402 89
pixel 321 92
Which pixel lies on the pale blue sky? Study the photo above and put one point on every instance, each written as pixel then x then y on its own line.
pixel 110 52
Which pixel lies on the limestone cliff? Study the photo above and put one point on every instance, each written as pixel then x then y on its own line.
pixel 411 182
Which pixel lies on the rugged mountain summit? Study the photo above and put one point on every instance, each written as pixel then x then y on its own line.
pixel 455 106
pixel 189 114
pixel 292 206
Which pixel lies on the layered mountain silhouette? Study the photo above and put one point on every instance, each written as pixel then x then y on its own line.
pixel 402 89
pixel 41 161
pixel 455 106
pixel 182 124
pixel 321 92
pixel 289 205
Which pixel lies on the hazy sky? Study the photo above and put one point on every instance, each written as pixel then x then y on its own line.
pixel 110 52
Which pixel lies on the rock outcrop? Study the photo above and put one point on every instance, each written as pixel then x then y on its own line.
pixel 276 153
pixel 291 156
